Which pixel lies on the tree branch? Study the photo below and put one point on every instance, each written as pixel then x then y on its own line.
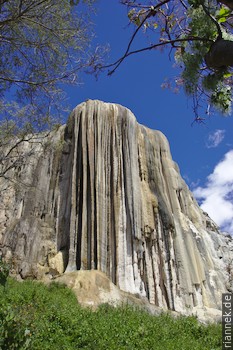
pixel 34 83
pixel 150 12
pixel 21 13
pixel 151 47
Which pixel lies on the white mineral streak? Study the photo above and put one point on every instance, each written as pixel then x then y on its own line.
pixel 105 194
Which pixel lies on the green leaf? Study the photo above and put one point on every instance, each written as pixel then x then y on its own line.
pixel 131 14
pixel 222 14
pixel 222 19
pixel 137 21
pixel 227 75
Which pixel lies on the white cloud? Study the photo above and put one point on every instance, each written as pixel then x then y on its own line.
pixel 215 138
pixel 217 196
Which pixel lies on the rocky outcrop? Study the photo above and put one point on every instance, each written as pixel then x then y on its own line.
pixel 104 193
pixel 93 288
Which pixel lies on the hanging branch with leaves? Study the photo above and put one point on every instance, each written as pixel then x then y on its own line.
pixel 199 34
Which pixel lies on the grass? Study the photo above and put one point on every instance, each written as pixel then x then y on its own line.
pixel 35 316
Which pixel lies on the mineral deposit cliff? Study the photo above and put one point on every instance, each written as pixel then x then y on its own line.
pixel 103 192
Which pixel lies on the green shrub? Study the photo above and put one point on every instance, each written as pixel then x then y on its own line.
pixel 4 272
pixel 34 316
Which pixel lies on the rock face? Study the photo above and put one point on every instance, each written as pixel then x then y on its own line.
pixel 104 193
pixel 93 287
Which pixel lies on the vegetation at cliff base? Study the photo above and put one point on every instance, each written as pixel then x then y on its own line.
pixel 35 316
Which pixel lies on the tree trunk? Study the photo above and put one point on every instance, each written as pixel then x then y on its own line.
pixel 220 54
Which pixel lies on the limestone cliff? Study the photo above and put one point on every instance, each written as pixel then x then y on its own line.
pixel 104 193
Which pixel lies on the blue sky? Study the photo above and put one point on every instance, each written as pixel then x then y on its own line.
pixel 204 152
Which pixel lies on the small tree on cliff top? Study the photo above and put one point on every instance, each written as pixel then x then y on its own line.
pixel 198 32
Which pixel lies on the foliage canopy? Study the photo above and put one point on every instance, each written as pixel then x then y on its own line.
pixel 198 33
pixel 44 44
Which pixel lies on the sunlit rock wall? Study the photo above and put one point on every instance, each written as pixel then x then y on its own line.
pixel 104 193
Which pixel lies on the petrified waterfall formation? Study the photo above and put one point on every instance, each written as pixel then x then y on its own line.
pixel 105 194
